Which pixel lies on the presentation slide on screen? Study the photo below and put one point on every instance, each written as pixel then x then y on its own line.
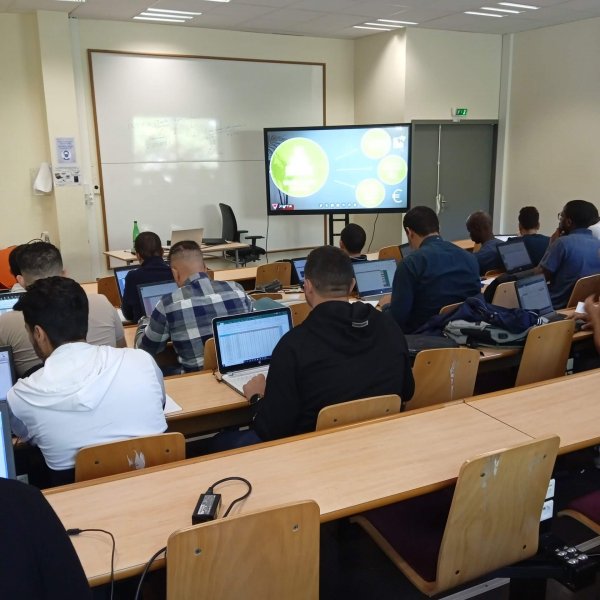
pixel 343 169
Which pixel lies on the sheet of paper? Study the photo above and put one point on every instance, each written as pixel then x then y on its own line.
pixel 171 406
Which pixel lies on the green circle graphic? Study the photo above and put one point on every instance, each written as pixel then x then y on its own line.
pixel 376 143
pixel 392 169
pixel 370 193
pixel 299 167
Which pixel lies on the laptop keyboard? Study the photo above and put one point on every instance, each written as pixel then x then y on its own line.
pixel 238 380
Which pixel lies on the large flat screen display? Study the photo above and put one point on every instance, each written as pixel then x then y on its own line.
pixel 362 168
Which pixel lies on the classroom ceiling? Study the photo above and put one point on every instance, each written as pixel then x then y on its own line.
pixel 330 18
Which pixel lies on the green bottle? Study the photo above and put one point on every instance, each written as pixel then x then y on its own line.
pixel 136 231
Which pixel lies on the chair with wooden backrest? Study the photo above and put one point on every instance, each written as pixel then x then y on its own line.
pixel 356 411
pixel 7 279
pixel 493 273
pixel 259 295
pixel 491 520
pixel 210 355
pixel 390 252
pixel 300 311
pixel 443 375
pixel 586 510
pixel 108 287
pixel 586 286
pixel 449 308
pixel 546 352
pixel 128 455
pixel 266 555
pixel 506 295
pixel 282 271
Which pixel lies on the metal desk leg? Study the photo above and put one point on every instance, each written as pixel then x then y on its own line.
pixel 237 259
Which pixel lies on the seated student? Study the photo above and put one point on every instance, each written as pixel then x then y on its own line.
pixel 38 558
pixel 595 226
pixel 153 269
pixel 535 242
pixel 83 394
pixel 352 241
pixel 592 318
pixel 437 273
pixel 479 226
pixel 36 261
pixel 185 316
pixel 575 253
pixel 14 268
pixel 341 352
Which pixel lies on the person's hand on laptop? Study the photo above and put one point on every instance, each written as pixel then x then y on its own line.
pixel 386 299
pixel 255 386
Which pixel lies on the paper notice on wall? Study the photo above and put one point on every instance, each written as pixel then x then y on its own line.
pixel 66 176
pixel 65 151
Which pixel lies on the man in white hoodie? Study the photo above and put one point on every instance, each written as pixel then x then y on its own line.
pixel 83 394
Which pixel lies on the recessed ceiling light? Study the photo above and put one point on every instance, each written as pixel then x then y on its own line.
pixel 401 22
pixel 159 15
pixel 172 12
pixel 78 1
pixel 374 28
pixel 163 19
pixel 386 25
pixel 504 10
pixel 472 12
pixel 519 5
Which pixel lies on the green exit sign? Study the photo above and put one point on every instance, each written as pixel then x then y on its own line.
pixel 461 112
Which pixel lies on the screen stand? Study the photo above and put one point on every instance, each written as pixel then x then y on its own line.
pixel 336 218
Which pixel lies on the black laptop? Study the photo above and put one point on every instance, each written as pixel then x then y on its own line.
pixel 534 296
pixel 120 274
pixel 514 256
pixel 151 293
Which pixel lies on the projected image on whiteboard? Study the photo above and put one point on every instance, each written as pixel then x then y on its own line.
pixel 343 169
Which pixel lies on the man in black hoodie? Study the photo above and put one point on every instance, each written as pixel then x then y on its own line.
pixel 341 352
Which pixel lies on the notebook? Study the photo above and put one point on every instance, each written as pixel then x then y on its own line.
pixel 533 295
pixel 120 274
pixel 7 457
pixel 514 256
pixel 405 250
pixel 7 301
pixel 374 277
pixel 151 293
pixel 298 265
pixel 244 343
pixel 182 235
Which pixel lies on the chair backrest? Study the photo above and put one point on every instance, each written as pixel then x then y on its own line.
pixel 443 375
pixel 356 411
pixel 390 252
pixel 449 308
pixel 506 295
pixel 586 286
pixel 495 513
pixel 546 352
pixel 210 355
pixel 267 555
pixel 7 279
pixel 493 272
pixel 229 231
pixel 108 287
pixel 258 295
pixel 271 271
pixel 128 455
pixel 300 311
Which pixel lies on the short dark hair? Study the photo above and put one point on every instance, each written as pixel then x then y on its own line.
pixel 39 259
pixel 59 306
pixel 422 220
pixel 183 249
pixel 13 260
pixel 529 217
pixel 581 212
pixel 354 238
pixel 330 271
pixel 148 244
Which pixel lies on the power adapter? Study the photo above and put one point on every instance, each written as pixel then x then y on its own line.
pixel 207 508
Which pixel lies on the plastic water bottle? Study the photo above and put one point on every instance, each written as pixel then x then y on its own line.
pixel 136 231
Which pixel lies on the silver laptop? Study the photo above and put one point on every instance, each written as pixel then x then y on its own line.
pixel 533 295
pixel 151 293
pixel 244 343
pixel 374 277
pixel 7 380
pixel 514 256
pixel 8 300
pixel 182 235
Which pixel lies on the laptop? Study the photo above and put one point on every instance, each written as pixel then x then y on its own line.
pixel 182 235
pixel 120 274
pixel 151 293
pixel 244 343
pixel 7 456
pixel 405 250
pixel 7 301
pixel 298 265
pixel 533 295
pixel 514 256
pixel 374 277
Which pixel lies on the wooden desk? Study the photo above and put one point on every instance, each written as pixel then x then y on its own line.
pixel 568 406
pixel 359 467
pixel 464 244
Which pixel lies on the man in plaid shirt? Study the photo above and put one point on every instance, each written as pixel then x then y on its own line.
pixel 185 316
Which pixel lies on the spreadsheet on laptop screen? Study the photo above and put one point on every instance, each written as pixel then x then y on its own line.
pixel 7 301
pixel 250 338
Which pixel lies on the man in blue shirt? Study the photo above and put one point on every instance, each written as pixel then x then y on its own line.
pixel 479 226
pixel 535 242
pixel 436 274
pixel 574 254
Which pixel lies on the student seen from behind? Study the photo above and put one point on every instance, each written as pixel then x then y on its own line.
pixel 352 242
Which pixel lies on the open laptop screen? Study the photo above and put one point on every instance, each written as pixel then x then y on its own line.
pixel 120 274
pixel 7 371
pixel 247 340
pixel 299 264
pixel 183 235
pixel 533 295
pixel 7 301
pixel 151 293
pixel 7 458
pixel 514 256
pixel 374 277
pixel 405 250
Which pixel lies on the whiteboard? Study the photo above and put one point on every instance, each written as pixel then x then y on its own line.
pixel 177 135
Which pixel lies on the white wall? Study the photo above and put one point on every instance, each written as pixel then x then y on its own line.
pixel 553 152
